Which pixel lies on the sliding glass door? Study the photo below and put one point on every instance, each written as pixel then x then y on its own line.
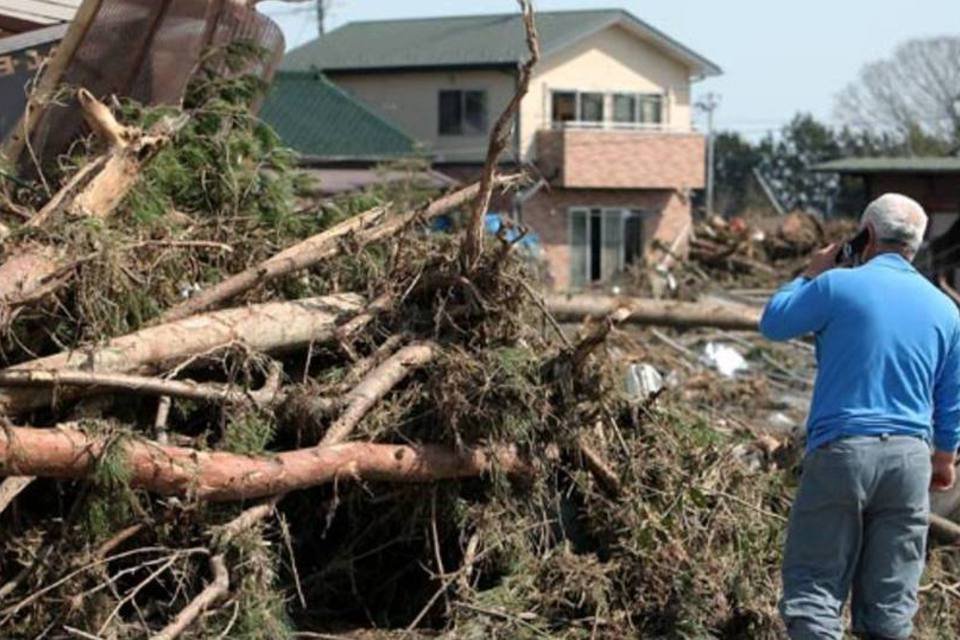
pixel 602 242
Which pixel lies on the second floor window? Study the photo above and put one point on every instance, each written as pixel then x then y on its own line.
pixel 463 113
pixel 574 106
pixel 591 108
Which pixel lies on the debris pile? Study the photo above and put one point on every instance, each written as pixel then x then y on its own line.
pixel 764 252
pixel 230 412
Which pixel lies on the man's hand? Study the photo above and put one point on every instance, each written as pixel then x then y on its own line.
pixel 823 260
pixel 944 471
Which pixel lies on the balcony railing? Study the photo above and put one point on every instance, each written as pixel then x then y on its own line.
pixel 609 125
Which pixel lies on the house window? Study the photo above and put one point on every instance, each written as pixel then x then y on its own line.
pixel 572 106
pixel 564 106
pixel 624 107
pixel 603 242
pixel 589 108
pixel 651 109
pixel 463 113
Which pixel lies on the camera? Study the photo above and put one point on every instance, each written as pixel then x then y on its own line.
pixel 852 250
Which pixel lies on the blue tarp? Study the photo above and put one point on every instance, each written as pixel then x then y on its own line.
pixel 492 222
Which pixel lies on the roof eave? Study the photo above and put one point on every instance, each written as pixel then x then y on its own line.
pixel 827 167
pixel 334 71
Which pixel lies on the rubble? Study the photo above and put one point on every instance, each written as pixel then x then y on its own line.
pixel 235 413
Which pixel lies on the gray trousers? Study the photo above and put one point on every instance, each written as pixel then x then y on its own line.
pixel 859 521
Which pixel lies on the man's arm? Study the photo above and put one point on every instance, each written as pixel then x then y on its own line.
pixel 799 307
pixel 802 305
pixel 946 417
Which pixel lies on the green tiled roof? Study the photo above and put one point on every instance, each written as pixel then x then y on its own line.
pixel 486 40
pixel 318 119
pixel 921 164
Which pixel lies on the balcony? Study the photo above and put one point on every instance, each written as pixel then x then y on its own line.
pixel 596 157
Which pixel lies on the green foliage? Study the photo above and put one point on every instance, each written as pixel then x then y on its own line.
pixel 224 162
pixel 784 159
pixel 248 433
pixel 110 501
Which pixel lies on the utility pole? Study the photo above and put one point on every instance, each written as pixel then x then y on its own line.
pixel 709 104
pixel 321 16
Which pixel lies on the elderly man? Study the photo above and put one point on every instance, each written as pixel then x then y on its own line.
pixel 887 389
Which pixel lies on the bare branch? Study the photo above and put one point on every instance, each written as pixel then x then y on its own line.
pixel 499 138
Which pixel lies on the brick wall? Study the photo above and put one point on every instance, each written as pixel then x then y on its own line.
pixel 584 158
pixel 546 215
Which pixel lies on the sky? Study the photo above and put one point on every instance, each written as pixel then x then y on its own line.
pixel 779 57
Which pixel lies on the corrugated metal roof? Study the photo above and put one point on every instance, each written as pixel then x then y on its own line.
pixel 318 119
pixel 865 166
pixel 469 41
pixel 42 12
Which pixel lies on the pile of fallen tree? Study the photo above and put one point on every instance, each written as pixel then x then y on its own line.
pixel 230 413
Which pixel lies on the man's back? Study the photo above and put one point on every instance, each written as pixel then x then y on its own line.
pixel 888 383
pixel 885 335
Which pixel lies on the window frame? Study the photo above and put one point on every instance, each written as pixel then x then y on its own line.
pixel 461 130
pixel 609 110
pixel 622 214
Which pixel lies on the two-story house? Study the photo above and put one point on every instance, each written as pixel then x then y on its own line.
pixel 607 120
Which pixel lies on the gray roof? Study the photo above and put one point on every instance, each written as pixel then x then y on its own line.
pixel 865 166
pixel 469 41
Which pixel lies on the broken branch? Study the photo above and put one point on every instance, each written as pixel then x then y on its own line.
pixel 498 140
pixel 646 311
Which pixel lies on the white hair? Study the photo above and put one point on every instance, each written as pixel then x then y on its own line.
pixel 896 220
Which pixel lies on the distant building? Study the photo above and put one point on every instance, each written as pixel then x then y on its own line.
pixel 607 120
pixel 933 182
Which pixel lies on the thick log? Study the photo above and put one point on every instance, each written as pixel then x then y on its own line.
pixel 366 228
pixel 216 476
pixel 643 311
pixel 271 327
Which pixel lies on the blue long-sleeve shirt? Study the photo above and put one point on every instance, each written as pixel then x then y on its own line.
pixel 888 351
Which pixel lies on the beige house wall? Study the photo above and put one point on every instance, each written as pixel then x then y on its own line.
pixel 411 101
pixel 610 60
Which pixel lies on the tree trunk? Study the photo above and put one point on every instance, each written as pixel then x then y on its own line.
pixel 271 327
pixel 645 311
pixel 221 477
